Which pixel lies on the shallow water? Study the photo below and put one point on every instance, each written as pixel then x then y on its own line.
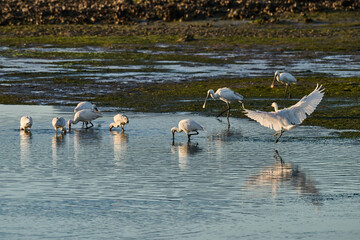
pixel 237 63
pixel 228 183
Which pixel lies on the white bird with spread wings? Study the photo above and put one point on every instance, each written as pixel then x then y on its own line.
pixel 288 118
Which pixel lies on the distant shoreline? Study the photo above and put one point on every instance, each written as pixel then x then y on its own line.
pixel 128 11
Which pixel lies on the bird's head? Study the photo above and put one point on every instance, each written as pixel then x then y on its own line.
pixel 275 106
pixel 210 92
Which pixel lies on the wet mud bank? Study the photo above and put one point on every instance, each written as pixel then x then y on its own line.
pixel 125 11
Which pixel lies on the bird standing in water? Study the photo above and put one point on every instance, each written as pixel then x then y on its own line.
pixel 119 121
pixel 187 125
pixel 85 116
pixel 59 122
pixel 25 123
pixel 226 95
pixel 284 78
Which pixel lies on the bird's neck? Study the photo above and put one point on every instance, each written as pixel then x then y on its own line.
pixel 177 130
pixel 74 121
pixel 276 108
pixel 212 94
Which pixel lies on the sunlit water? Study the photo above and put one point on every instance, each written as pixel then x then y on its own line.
pixel 226 184
pixel 244 63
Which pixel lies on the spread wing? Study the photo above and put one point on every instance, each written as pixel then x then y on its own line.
pixel 267 119
pixel 297 113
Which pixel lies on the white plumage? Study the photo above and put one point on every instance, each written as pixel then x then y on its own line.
pixel 187 125
pixel 119 121
pixel 85 116
pixel 25 123
pixel 85 105
pixel 284 78
pixel 59 122
pixel 226 95
pixel 288 118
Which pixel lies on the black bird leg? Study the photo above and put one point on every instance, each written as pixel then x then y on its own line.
pixel 286 88
pixel 228 109
pixel 280 134
pixel 189 135
pixel 90 126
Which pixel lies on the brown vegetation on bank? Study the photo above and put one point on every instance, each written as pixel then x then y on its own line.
pixel 18 12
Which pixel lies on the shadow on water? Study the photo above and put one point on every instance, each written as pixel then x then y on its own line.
pixel 185 151
pixel 282 177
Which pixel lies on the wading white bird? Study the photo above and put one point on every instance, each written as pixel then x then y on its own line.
pixel 288 118
pixel 284 78
pixel 187 125
pixel 119 121
pixel 226 95
pixel 59 122
pixel 85 116
pixel 25 123
pixel 85 105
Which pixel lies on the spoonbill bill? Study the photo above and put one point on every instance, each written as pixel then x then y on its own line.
pixel 284 78
pixel 288 118
pixel 59 122
pixel 119 121
pixel 85 105
pixel 25 123
pixel 226 95
pixel 85 116
pixel 187 125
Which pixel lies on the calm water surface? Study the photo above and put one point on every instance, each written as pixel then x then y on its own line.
pixel 228 183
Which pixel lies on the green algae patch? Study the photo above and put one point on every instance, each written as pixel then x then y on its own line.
pixel 327 32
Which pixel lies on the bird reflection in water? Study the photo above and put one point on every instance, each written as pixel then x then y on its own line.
pixel 57 142
pixel 85 140
pixel 185 151
pixel 25 142
pixel 226 134
pixel 120 140
pixel 281 175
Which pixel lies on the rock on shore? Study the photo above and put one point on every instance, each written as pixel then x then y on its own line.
pixel 125 11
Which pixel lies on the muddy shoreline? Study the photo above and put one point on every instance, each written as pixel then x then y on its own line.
pixel 129 11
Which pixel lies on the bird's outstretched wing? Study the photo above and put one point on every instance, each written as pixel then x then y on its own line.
pixel 297 113
pixel 267 119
